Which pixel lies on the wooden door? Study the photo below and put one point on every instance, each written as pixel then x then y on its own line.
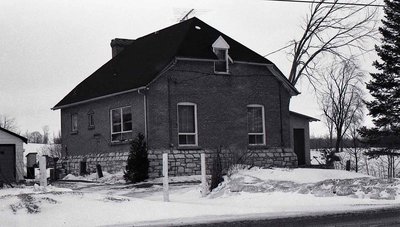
pixel 7 163
pixel 299 145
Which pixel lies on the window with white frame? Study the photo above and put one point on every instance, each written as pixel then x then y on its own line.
pixel 121 124
pixel 187 124
pixel 256 124
pixel 74 122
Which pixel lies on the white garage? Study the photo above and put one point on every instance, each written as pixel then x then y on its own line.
pixel 11 156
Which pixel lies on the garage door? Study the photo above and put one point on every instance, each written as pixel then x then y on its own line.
pixel 7 163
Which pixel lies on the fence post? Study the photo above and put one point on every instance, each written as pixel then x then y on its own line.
pixel 165 179
pixel 43 171
pixel 204 186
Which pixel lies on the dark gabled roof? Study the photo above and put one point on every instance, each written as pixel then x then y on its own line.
pixel 303 116
pixel 25 140
pixel 140 62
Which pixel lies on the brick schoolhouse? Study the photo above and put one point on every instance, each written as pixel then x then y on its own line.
pixel 189 89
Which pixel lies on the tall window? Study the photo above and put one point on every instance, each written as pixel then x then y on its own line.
pixel 74 122
pixel 121 124
pixel 187 124
pixel 91 120
pixel 256 124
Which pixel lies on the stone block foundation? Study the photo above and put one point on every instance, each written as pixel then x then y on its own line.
pixel 182 162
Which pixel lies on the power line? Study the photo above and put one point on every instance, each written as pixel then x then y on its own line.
pixel 273 52
pixel 328 3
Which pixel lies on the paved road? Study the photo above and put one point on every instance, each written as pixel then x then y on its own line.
pixel 377 218
pixel 380 217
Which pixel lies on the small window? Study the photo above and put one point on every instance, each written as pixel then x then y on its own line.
pixel 221 65
pixel 121 124
pixel 256 124
pixel 74 122
pixel 187 124
pixel 91 120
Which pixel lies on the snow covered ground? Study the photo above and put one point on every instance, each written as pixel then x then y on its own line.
pixel 246 193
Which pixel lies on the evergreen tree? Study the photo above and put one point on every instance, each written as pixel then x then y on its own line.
pixel 385 88
pixel 137 168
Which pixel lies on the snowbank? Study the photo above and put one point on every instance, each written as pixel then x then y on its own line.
pixel 31 190
pixel 108 178
pixel 316 182
pixel 298 175
pixel 246 193
pixel 118 178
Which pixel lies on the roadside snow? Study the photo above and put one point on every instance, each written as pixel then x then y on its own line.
pixel 298 175
pixel 316 182
pixel 246 193
pixel 108 178
pixel 118 178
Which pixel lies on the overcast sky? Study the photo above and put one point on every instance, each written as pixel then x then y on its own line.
pixel 48 47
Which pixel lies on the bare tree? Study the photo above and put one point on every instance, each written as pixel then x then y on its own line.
pixel 45 134
pixel 355 139
pixel 331 29
pixel 8 123
pixel 57 138
pixel 341 99
pixel 52 150
pixel 36 137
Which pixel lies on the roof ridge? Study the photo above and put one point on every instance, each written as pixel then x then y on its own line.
pixel 141 61
pixel 14 134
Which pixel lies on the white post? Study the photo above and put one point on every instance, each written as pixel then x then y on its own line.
pixel 204 188
pixel 165 179
pixel 43 173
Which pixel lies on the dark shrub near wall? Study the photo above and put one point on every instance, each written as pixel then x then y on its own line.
pixel 137 168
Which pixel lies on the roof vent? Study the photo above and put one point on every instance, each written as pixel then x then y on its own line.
pixel 197 27
pixel 220 43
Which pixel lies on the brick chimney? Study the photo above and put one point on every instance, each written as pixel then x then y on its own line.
pixel 118 45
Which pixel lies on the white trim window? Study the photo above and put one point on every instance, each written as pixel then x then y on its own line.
pixel 256 124
pixel 74 122
pixel 121 124
pixel 187 124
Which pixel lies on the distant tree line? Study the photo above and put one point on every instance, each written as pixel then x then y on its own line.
pixel 42 137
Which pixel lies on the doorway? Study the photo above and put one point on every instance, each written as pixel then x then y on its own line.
pixel 299 145
pixel 7 163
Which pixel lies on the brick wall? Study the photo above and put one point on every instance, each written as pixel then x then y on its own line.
pixel 221 105
pixel 97 140
pixel 221 115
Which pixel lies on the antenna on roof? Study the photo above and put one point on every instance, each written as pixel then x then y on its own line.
pixel 182 14
pixel 186 15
